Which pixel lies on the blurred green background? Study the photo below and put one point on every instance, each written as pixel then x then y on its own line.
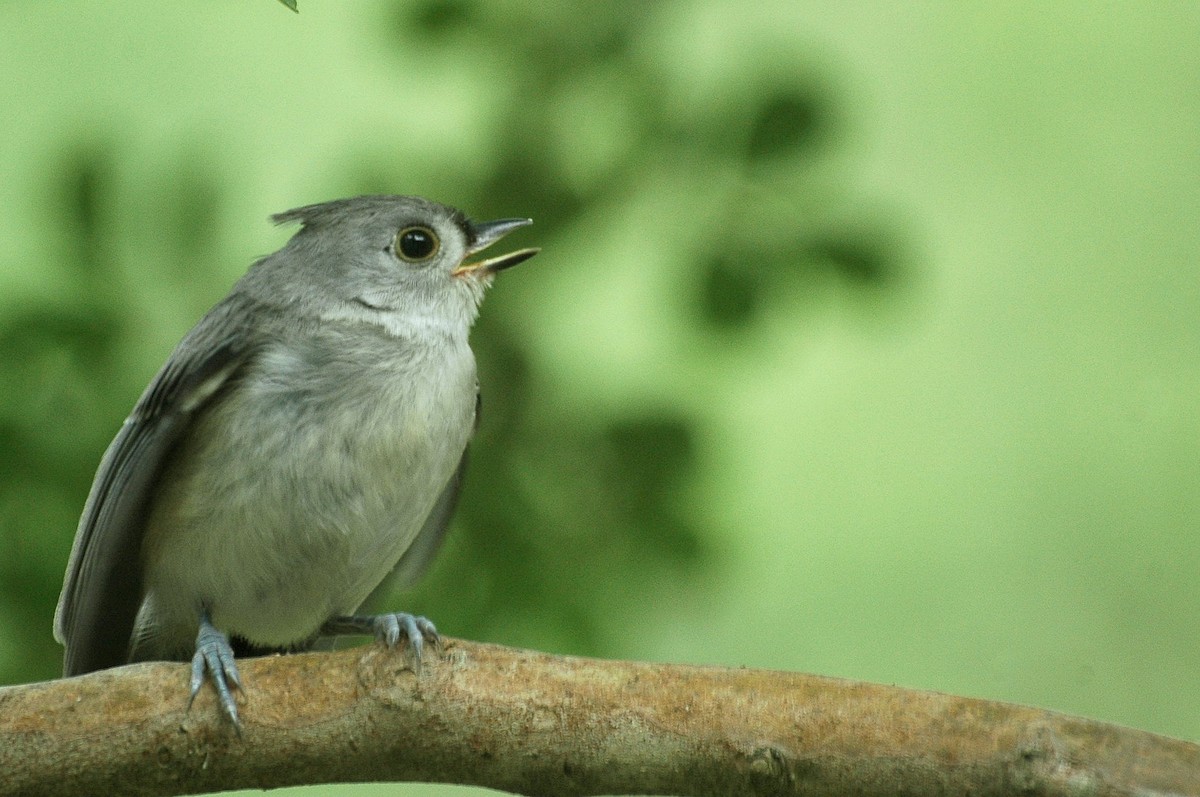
pixel 865 340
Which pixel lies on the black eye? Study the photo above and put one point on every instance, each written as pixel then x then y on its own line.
pixel 415 244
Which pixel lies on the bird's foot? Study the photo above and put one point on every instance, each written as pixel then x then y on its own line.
pixel 215 656
pixel 388 629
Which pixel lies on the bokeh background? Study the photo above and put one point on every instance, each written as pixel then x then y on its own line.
pixel 865 340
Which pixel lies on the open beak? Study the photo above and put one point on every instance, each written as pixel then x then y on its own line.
pixel 483 235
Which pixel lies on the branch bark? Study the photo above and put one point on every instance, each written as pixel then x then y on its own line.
pixel 533 723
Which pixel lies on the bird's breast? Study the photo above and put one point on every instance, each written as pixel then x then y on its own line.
pixel 300 489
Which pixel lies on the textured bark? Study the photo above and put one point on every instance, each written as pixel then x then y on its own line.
pixel 532 723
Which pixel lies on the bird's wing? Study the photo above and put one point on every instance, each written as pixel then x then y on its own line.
pixel 102 589
pixel 425 545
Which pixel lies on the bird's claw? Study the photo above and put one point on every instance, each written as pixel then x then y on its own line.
pixel 416 629
pixel 215 656
pixel 390 629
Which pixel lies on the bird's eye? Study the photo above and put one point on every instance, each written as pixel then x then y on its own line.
pixel 416 244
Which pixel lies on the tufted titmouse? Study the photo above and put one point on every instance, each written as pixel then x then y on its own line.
pixel 302 447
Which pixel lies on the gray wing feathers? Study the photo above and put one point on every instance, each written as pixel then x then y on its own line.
pixel 102 590
pixel 416 559
pixel 425 545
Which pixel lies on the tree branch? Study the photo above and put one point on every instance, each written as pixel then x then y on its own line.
pixel 532 723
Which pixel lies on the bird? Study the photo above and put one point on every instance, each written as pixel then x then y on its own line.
pixel 301 450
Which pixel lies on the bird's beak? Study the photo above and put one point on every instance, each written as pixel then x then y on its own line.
pixel 483 235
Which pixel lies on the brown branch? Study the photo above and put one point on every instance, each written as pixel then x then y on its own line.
pixel 533 723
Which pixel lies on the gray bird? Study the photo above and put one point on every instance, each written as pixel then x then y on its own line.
pixel 301 449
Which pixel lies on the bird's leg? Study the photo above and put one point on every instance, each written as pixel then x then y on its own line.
pixel 215 656
pixel 387 628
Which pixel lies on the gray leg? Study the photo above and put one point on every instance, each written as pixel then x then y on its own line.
pixel 215 656
pixel 387 628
